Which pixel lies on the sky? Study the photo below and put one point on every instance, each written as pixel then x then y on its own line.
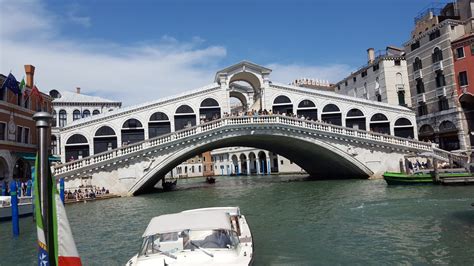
pixel 137 51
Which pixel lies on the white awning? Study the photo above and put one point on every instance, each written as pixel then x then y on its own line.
pixel 207 220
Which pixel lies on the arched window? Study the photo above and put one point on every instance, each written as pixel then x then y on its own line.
pixel 417 65
pixel 379 123
pixel 403 128
pixel 448 136
pixel 86 113
pixel 355 119
pixel 399 78
pixel 132 132
pixel 437 55
pixel 105 139
pixel 55 119
pixel 159 124
pixel 209 110
pixel 308 109
pixel 76 147
pixel 76 115
pixel 95 112
pixel 184 117
pixel 282 105
pixel 62 118
pixel 332 114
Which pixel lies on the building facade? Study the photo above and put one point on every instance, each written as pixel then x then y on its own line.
pixel 384 78
pixel 18 135
pixel 432 77
pixel 72 106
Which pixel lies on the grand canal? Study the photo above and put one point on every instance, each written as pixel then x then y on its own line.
pixel 294 222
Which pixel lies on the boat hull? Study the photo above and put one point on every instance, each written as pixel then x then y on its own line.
pixel 23 210
pixel 417 179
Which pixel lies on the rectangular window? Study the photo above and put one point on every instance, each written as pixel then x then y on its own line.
pixel 26 135
pixel 463 78
pixel 3 126
pixel 460 52
pixel 443 103
pixel 19 131
pixel 422 109
pixel 415 45
pixel 345 83
pixel 420 86
pixel 375 67
pixel 364 73
pixel 401 98
pixel 354 79
pixel 435 35
pixel 440 81
pixel 397 62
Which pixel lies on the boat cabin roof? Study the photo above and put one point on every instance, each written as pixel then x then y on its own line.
pixel 206 220
pixel 232 211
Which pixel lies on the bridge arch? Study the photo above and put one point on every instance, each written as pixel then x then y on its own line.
pixel 355 118
pixel 252 79
pixel 209 109
pixel 158 124
pixel 77 147
pixel 282 105
pixel 379 123
pixel 332 114
pixel 184 117
pixel 132 131
pixel 105 139
pixel 313 155
pixel 308 109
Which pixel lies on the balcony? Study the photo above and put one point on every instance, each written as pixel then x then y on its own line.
pixel 400 87
pixel 441 91
pixel 421 98
pixel 438 66
pixel 417 74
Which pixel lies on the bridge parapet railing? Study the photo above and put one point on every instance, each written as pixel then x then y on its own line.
pixel 243 120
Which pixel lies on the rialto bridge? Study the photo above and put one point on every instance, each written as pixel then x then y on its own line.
pixel 129 150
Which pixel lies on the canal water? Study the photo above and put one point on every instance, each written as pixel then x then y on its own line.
pixel 293 221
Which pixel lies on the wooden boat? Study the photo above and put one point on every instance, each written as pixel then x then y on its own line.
pixel 420 178
pixel 210 180
pixel 169 185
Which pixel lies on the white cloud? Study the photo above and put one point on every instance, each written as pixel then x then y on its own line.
pixel 131 74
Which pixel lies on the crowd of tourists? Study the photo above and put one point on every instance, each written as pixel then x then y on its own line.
pixel 83 193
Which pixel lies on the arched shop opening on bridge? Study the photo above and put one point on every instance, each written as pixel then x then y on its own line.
pixel 76 147
pixel 403 128
pixel 209 110
pixel 132 131
pixel 158 125
pixel 332 114
pixel 282 105
pixel 105 139
pixel 184 117
pixel 379 123
pixel 22 170
pixel 308 109
pixel 356 119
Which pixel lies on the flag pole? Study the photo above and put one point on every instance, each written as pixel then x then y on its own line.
pixel 43 120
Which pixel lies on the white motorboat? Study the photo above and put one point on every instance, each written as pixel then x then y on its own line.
pixel 209 236
pixel 25 207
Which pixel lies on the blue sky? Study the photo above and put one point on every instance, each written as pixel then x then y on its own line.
pixel 168 47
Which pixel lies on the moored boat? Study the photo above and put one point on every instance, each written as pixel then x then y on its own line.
pixel 169 185
pixel 25 207
pixel 420 178
pixel 210 180
pixel 210 236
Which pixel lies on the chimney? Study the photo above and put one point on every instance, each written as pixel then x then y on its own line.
pixel 30 73
pixel 371 55
pixel 78 90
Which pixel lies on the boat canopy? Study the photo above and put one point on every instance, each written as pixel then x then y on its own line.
pixel 230 210
pixel 206 220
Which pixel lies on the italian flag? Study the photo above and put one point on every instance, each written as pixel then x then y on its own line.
pixel 64 247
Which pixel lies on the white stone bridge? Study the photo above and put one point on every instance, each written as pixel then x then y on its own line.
pixel 129 150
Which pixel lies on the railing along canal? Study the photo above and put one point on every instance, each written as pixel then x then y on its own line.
pixel 250 120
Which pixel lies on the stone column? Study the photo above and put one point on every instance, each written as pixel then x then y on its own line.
pixel 239 167
pixel 248 166
pixel 258 165
pixel 269 168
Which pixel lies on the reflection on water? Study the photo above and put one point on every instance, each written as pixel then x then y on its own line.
pixel 294 221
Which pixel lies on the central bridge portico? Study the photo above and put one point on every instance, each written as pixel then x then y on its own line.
pixel 133 148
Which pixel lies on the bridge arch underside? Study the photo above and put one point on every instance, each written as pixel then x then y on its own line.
pixel 318 158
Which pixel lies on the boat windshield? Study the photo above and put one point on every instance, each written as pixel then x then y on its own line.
pixel 170 243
